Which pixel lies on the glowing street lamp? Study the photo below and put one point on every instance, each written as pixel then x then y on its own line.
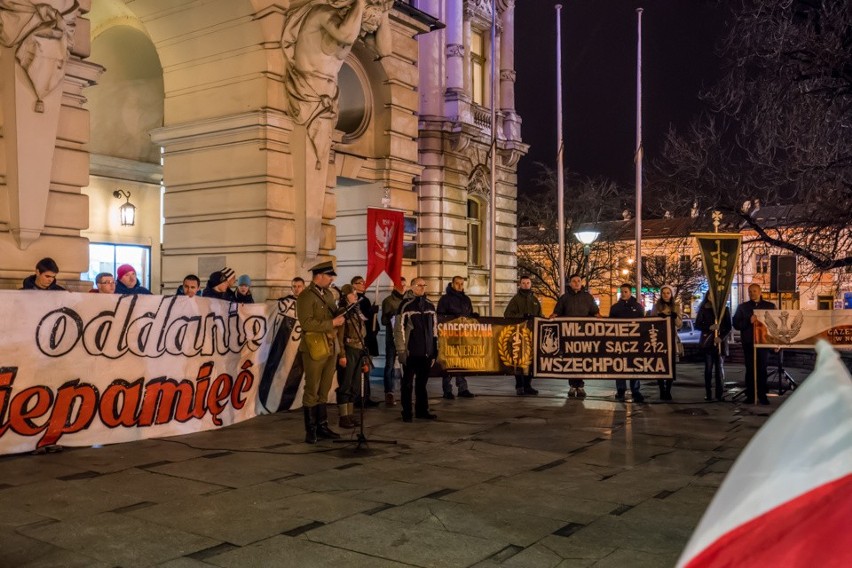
pixel 587 238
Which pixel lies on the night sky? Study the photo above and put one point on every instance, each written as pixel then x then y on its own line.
pixel 599 79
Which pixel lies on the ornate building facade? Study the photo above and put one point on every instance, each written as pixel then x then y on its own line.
pixel 243 140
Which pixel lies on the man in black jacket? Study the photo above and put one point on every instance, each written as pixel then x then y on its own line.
pixel 416 335
pixel 390 306
pixel 219 285
pixel 744 319
pixel 714 345
pixel 44 277
pixel 627 307
pixel 370 311
pixel 576 303
pixel 456 303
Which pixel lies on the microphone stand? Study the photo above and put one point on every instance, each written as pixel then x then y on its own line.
pixel 361 441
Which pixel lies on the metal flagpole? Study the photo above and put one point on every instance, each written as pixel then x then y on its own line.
pixel 560 150
pixel 637 158
pixel 492 244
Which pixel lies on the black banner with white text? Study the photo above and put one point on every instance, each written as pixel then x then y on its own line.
pixel 595 348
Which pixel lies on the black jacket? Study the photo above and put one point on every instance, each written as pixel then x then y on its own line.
pixel 416 329
pixel 370 312
pixel 139 289
pixel 227 295
pixel 240 299
pixel 742 318
pixel 29 284
pixel 576 305
pixel 705 319
pixel 629 308
pixel 454 303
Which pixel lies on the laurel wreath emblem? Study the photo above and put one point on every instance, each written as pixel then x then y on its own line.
pixel 514 346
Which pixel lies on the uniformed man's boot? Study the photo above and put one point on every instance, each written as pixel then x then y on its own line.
pixel 323 431
pixel 310 425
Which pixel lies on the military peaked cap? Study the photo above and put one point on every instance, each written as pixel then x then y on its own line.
pixel 326 267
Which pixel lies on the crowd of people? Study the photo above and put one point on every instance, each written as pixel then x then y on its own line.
pixel 340 329
pixel 222 284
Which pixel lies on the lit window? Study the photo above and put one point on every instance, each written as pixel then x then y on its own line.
pixel 761 264
pixel 474 233
pixel 477 68
pixel 107 257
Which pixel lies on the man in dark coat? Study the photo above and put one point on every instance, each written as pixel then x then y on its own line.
pixel 371 312
pixel 390 306
pixel 627 307
pixel 128 283
pixel 525 305
pixel 744 322
pixel 576 303
pixel 416 335
pixel 44 278
pixel 219 285
pixel 714 345
pixel 456 303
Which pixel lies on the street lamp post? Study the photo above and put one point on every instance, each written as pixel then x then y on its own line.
pixel 587 238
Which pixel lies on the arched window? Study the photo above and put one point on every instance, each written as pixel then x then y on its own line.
pixel 475 232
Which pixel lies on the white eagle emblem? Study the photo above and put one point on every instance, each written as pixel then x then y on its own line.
pixel 384 234
pixel 781 330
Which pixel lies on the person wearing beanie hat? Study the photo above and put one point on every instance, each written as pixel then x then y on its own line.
pixel 229 275
pixel 218 287
pixel 243 292
pixel 128 283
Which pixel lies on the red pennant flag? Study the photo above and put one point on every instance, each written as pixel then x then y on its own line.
pixel 384 244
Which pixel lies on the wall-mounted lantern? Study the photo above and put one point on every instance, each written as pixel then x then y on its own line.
pixel 127 211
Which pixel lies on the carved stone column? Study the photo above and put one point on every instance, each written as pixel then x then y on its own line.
pixel 432 63
pixel 455 46
pixel 511 120
pixel 43 132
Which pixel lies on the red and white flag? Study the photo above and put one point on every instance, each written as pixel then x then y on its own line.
pixel 787 501
pixel 384 244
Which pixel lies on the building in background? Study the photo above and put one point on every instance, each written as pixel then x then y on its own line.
pixel 185 107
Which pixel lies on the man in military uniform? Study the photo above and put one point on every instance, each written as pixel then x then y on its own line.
pixel 316 310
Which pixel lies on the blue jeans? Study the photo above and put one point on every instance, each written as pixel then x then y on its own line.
pixel 713 362
pixel 447 383
pixel 621 385
pixel 390 360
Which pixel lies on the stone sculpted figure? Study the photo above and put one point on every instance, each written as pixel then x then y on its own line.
pixel 317 37
pixel 41 32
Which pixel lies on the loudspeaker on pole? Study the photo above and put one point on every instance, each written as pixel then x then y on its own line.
pixel 782 273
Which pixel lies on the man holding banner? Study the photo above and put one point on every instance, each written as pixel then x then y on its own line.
pixel 719 254
pixel 576 302
pixel 627 307
pixel 524 305
pixel 744 319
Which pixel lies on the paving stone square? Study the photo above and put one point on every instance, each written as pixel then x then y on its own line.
pixel 497 481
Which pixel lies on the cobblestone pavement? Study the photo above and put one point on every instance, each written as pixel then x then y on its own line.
pixel 498 480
